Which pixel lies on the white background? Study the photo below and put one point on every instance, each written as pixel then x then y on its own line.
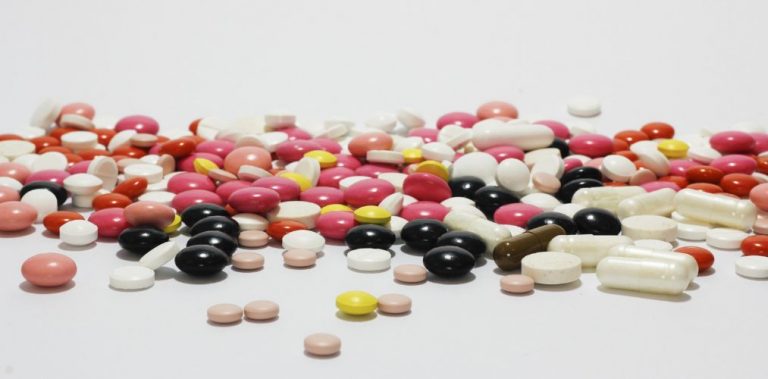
pixel 695 64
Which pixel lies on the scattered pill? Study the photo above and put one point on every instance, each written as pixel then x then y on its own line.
pixel 725 238
pixel 410 273
pixel 752 266
pixel 551 267
pixel 224 313
pixel 78 233
pixel 368 259
pixel 132 278
pixel 393 303
pixel 299 258
pixel 49 269
pixel 322 344
pixel 517 283
pixel 356 303
pixel 261 310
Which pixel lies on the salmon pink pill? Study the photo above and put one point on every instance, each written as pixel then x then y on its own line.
pixel 732 142
pixel 139 123
pixel 734 163
pixel 291 151
pixel 8 194
pixel 149 213
pixel 496 109
pixel 16 216
pixel 426 134
pixel 183 200
pixel 591 145
pixel 323 196
pixel 759 196
pixel 335 225
pixel 248 155
pixel 424 210
pixel 254 200
pixel 516 214
pixel 49 269
pixel 187 181
pixel 14 170
pixel 368 192
pixel 361 144
pixel 286 188
pixel 111 221
pixel 505 152
pixel 463 119
pixel 220 148
pixel 426 187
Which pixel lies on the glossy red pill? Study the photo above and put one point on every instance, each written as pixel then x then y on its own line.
pixel 704 258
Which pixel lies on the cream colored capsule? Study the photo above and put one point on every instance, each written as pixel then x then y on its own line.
pixel 715 209
pixel 632 251
pixel 657 203
pixel 605 197
pixel 491 232
pixel 643 275
pixel 590 248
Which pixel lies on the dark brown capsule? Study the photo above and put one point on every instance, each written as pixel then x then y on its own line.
pixel 509 253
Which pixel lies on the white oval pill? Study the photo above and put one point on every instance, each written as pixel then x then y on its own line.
pixel 383 121
pixel 618 168
pixel 410 118
pixel 82 184
pixel 52 160
pixel 691 232
pixel 393 203
pixel 73 120
pixel 42 200
pixel 491 133
pixel 752 266
pixel 162 197
pixel 304 239
pixel 132 278
pixel 10 182
pixel 542 200
pixel 367 259
pixel 649 227
pixel 437 151
pixel 79 233
pixel 106 169
pixel 480 165
pixel 569 209
pixel 80 140
pixel 396 224
pixel 347 182
pixel 551 267
pixel 153 173
pixel 251 221
pixel 301 211
pixel 122 138
pixel 384 156
pixel 45 114
pixel 159 255
pixel 584 106
pixel 13 149
pixel 513 174
pixel 396 178
pixel 725 238
pixel 655 161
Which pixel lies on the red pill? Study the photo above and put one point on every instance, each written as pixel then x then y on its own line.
pixel 561 130
pixel 92 153
pixel 732 142
pixel 368 192
pixel 591 145
pixel 110 221
pixel 178 148
pixel 704 174
pixel 54 221
pixel 463 119
pixel 762 165
pixel 193 125
pixel 706 187
pixel 291 151
pixel 254 200
pixel 111 200
pixel 335 225
pixel 323 196
pixel 58 132
pixel 104 135
pixel 631 136
pixel 516 214
pixel 286 188
pixel 185 199
pixel 505 152
pixel 681 182
pixel 10 137
pixel 139 123
pixel 426 187
pixel 129 151
pixel 347 161
pixel 738 184
pixel 704 258
pixel 424 209
pixel 755 245
pixel 332 176
pixel 187 181
pixel 656 130
pixel 43 142
pixel 627 154
pixel 132 187
pixel 619 145
pixel 279 229
pixel 55 149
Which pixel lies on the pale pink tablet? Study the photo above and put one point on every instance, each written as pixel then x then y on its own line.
pixel 410 273
pixel 546 183
pixel 322 344
pixel 247 261
pixel 394 303
pixel 225 313
pixel 516 283
pixel 253 238
pixel 299 258
pixel 261 310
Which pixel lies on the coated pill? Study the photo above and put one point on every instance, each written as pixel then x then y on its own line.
pixel 49 269
pixel 643 275
pixel 410 273
pixel 160 255
pixel 752 266
pixel 509 252
pixel 299 258
pixel 515 283
pixel 322 344
pixel 368 259
pixel 132 278
pixel 224 313
pixel 304 239
pixel 490 232
pixel 589 248
pixel 448 261
pixel 584 106
pixel 78 233
pixel 356 303
pixel 247 261
pixel 649 227
pixel 394 303
pixel 551 267
pixel 261 310
pixel 704 258
pixel 253 238
pixel 725 238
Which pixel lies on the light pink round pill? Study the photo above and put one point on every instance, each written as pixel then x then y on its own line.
pixel 299 258
pixel 247 261
pixel 253 238
pixel 261 310
pixel 322 344
pixel 225 313
pixel 394 303
pixel 410 273
pixel 516 283
pixel 546 183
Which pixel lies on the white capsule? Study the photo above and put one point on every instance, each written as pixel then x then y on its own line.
pixel 649 227
pixel 384 156
pixel 491 133
pixel 659 202
pixel 605 197
pixel 490 232
pixel 643 275
pixel 633 251
pixel 715 209
pixel 590 248
pixel 654 244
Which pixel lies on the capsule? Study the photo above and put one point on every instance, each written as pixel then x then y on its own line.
pixel 659 203
pixel 590 248
pixel 643 275
pixel 509 253
pixel 716 209
pixel 490 232
pixel 492 133
pixel 605 197
pixel 631 251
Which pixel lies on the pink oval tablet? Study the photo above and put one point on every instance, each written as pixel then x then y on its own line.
pixel 16 216
pixel 546 183
pixel 224 313
pixel 261 310
pixel 505 152
pixel 254 200
pixel 149 213
pixel 286 188
pixel 591 145
pixel 79 167
pixel 409 273
pixel 335 225
pixel 759 196
pixel 561 131
pixel 571 163
pixel 81 109
pixel 426 134
pixel 323 196
pixel 424 209
pixel 217 147
pixel 299 258
pixel 296 133
pixel 8 194
pixel 225 190
pixel 322 344
pixel 394 303
pixel 49 269
pixel 332 176
pixel 373 170
pixel 139 123
pixel 463 119
pixel 761 142
pixel 596 163
pixel 680 166
pixel 516 214
pixel 496 109
pixel 14 170
pixel 368 192
pixel 250 155
pixel 183 200
pixel 348 161
pixel 291 151
pixel 426 187
pixel 730 164
pixel 732 142
pixel 659 184
pixel 248 261
pixel 56 176
pixel 516 283
pixel 329 145
pixel 110 221
pixel 253 238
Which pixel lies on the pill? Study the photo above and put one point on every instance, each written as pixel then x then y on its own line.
pixel 78 233
pixel 492 132
pixel 596 221
pixel 224 313
pixel 153 173
pixel 261 310
pixel 42 200
pixel 551 267
pixel 584 106
pixel 480 165
pixel 300 211
pixel 251 221
pixel 715 209
pixel 649 227
pixel 410 273
pixel 356 303
pixel 516 283
pixel 160 255
pixel 509 253
pixel 141 239
pixel 371 214
pixel 659 203
pixel 512 174
pixel 304 239
pixel 569 209
pixel 49 269
pixel 448 261
pixel 201 261
pixel 220 223
pixel 253 238
pixel 394 303
pixel 631 251
pixel 643 275
pixel 132 278
pixel 422 234
pixel 247 261
pixel 589 248
pixel 490 232
pixel 654 244
pixel 605 197
pixel 322 344
pixel 368 259
pixel 299 258
pixel 752 266
pixel 725 238
pixel 54 221
pixel 704 258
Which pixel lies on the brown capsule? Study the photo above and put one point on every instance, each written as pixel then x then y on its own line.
pixel 509 253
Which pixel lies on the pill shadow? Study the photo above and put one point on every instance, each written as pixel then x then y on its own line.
pixel 641 295
pixel 559 287
pixel 321 357
pixel 31 288
pixel 692 286
pixel 363 318
pixel 165 273
pixel 408 284
pixel 244 271
pixel 588 270
pixel 395 315
pixel 451 281
pixel 222 325
pixel 299 268
pixel 391 252
pixel 267 321
pixel 411 251
pixel 709 272
pixel 48 234
pixel 501 272
pixel 106 240
pixel 480 261
pixel 330 242
pixel 368 272
pixel 67 247
pixel 510 294
pixel 19 233
pixel 753 279
pixel 127 255
pixel 186 278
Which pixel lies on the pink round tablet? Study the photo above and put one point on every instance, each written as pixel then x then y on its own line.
pixel 254 200
pixel 368 192
pixel 732 142
pixel 296 133
pixel 505 152
pixel 248 261
pixel 426 187
pixel 149 213
pixel 394 303
pixel 139 123
pixel 329 145
pixel 224 313
pixel 183 200
pixel 571 163
pixel 332 176
pixel 16 216
pixel 79 167
pixel 286 188
pixel 49 269
pixel 759 196
pixel 110 221
pixel 591 145
pixel 299 258
pixel 14 170
pixel 323 196
pixel 680 166
pixel 322 344
pixel 734 163
pixel 247 155
pixel 496 109
pixel 516 283
pixel 348 161
pixel 410 273
pixel 291 151
pixel 335 225
pixel 261 310
pixel 225 190
pixel 217 147
pixel 761 143
pixel 516 214
pixel 424 209
pixel 463 119
pixel 253 238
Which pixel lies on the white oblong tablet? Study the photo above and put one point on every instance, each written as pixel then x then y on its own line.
pixel 703 154
pixel 618 168
pixel 654 244
pixel 649 227
pixel 301 211
pixel 159 255
pixel 367 259
pixel 162 197
pixel 305 240
pixel 410 118
pixel 513 174
pixel 251 221
pixel 82 184
pixel 396 178
pixel 13 149
pixel 79 233
pixel 455 136
pixel 725 238
pixel 43 201
pixel 79 140
pixel 153 173
pixel 542 200
pixel 752 266
pixel 551 267
pixel 45 114
pixel 437 151
pixel 132 278
pixel 309 168
pixel 382 121
pixel 52 160
pixel 584 106
pixel 396 224
pixel 251 173
pixel 457 201
pixel 384 156
pixel 691 232
pixel 393 203
pixel 480 165
pixel 655 161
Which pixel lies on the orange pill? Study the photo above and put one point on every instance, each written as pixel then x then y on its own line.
pixel 57 149
pixel 178 148
pixel 129 151
pixel 681 181
pixel 704 174
pixel 53 221
pixel 58 132
pixel 111 200
pixel 706 187
pixel 104 135
pixel 92 153
pixel 631 136
pixel 43 142
pixel 738 184
pixel 656 130
pixel 132 187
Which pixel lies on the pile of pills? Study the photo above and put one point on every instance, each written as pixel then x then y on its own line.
pixel 542 199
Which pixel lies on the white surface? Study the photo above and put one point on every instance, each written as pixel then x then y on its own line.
pixel 694 64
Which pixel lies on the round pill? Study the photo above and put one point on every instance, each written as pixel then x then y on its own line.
pixel 516 283
pixel 299 258
pixel 368 259
pixel 160 255
pixel 704 258
pixel 153 173
pixel 224 313
pixel 253 238
pixel 49 269
pixel 261 310
pixel 584 106
pixel 410 273
pixel 132 278
pixel 79 233
pixel 303 239
pixel 247 261
pixel 322 344
pixel 371 214
pixel 725 238
pixel 649 227
pixel 752 266
pixel 654 244
pixel 394 303
pixel 691 232
pixel 356 303
pixel 551 267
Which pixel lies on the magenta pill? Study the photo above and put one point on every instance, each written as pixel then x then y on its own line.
pixel 761 143
pixel 374 170
pixel 591 145
pixel 295 134
pixel 218 147
pixel 254 200
pixel 291 151
pixel 734 163
pixel 329 145
pixel 561 131
pixel 348 161
pixel 426 134
pixel 183 200
pixel 732 142
pixel 368 192
pixel 187 181
pixel 659 184
pixel 426 187
pixel 335 225
pixel 79 167
pixel 571 163
pixel 110 221
pixel 288 189
pixel 424 209
pixel 188 163
pixel 224 190
pixel 505 152
pixel 463 119
pixel 139 123
pixel 678 167
pixel 56 176
pixel 331 177
pixel 516 214
pixel 323 196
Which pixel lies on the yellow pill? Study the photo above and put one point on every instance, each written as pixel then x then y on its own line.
pixel 412 155
pixel 325 158
pixel 356 303
pixel 174 226
pixel 202 165
pixel 299 179
pixel 372 214
pixel 335 208
pixel 673 148
pixel 433 167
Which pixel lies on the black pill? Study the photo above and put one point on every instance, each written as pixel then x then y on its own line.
pixel 565 193
pixel 468 241
pixel 597 221
pixel 547 218
pixel 562 146
pixel 422 234
pixel 449 261
pixel 56 190
pixel 369 235
pixel 141 239
pixel 489 198
pixel 215 238
pixel 583 172
pixel 201 260
pixel 220 223
pixel 465 186
pixel 197 212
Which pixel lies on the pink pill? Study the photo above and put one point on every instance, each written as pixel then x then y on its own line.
pixel 149 213
pixel 571 163
pixel 80 109
pixel 761 143
pixel 680 166
pixel 516 214
pixel 323 196
pixel 288 189
pixel 110 221
pixel 368 192
pixel 139 123
pixel 734 163
pixel 759 196
pixel 49 269
pixel 188 163
pixel 329 145
pixel 79 167
pixel 155 149
pixel 732 142
pixel 332 176
pixel 505 152
pixel 335 225
pixel 291 151
pixel 374 170
pixel 516 283
pixel 463 119
pixel 56 176
pixel 596 163
pixel 218 147
pixel 16 216
pixel 226 189
pixel 187 181
pixel 183 200
pixel 14 170
pixel 496 109
pixel 561 131
pixel 348 161
pixel 424 209
pixel 8 194
pixel 296 134
pixel 427 135
pixel 591 145
pixel 426 187
pixel 247 155
pixel 254 200
pixel 658 184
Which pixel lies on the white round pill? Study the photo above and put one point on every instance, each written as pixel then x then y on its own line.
pixel 160 255
pixel 752 266
pixel 82 184
pixel 301 211
pixel 79 140
pixel 73 120
pixel 121 139
pixel 347 182
pixel 251 221
pixel 691 232
pixel 618 168
pixel 42 200
pixel 106 169
pixel 410 118
pixel 251 173
pixel 584 106
pixel 309 168
pixel 304 239
pixel 542 200
pixel 13 149
pixel 10 182
pixel 52 160
pixel 153 173
pixel 569 209
pixel 383 121
pixel 513 174
pixel 654 244
pixel 162 197
pixel 649 227
pixel 480 165
pixel 79 233
pixel 725 238
pixel 132 278
pixel 368 259
pixel 395 178
pixel 45 114
pixel 396 224
pixel 551 267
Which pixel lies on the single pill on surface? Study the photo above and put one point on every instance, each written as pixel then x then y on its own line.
pixel 356 303
pixel 649 227
pixel 261 310
pixel 160 255
pixel 752 266
pixel 516 283
pixel 247 261
pixel 79 233
pixel 224 313
pixel 368 259
pixel 643 275
pixel 410 273
pixel 632 251
pixel 132 278
pixel 322 344
pixel 394 303
pixel 299 258
pixel 253 238
pixel 725 238
pixel 49 269
pixel 584 106
pixel 551 267
pixel 303 239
